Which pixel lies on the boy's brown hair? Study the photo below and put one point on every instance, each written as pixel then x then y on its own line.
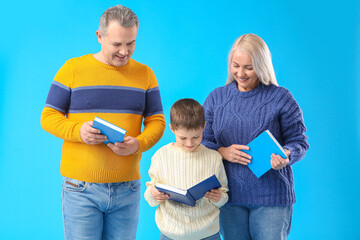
pixel 187 113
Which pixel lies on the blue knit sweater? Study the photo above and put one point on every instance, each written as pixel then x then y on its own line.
pixel 235 117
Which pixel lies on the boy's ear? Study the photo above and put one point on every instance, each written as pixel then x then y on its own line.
pixel 171 128
pixel 205 124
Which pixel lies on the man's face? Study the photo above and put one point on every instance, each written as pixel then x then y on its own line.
pixel 118 44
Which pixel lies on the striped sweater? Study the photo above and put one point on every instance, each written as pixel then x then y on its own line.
pixel 173 166
pixel 126 96
pixel 235 117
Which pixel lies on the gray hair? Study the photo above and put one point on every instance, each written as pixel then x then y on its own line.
pixel 123 15
pixel 259 52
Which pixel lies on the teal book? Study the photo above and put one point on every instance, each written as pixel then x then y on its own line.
pixel 191 195
pixel 113 132
pixel 261 149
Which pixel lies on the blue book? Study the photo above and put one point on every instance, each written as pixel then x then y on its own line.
pixel 191 195
pixel 261 149
pixel 113 132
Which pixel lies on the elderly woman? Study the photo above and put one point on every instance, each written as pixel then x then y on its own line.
pixel 251 102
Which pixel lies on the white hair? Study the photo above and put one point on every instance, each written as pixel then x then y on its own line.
pixel 123 15
pixel 259 52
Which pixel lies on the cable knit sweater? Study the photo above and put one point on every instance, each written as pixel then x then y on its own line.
pixel 235 117
pixel 173 166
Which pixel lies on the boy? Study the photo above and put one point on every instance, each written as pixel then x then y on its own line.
pixel 182 165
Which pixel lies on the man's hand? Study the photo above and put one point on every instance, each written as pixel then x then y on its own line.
pixel 157 195
pixel 129 146
pixel 90 135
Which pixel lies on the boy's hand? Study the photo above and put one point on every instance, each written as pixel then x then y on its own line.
pixel 157 195
pixel 214 195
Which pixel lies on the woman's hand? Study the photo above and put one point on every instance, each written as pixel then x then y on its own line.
pixel 277 162
pixel 157 195
pixel 214 195
pixel 234 154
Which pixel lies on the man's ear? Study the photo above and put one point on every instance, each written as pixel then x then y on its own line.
pixel 99 36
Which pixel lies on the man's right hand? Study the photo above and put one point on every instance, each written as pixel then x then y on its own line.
pixel 90 135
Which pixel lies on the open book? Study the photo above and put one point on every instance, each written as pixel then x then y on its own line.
pixel 113 132
pixel 191 195
pixel 261 149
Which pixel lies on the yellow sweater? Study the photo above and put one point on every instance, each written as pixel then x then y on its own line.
pixel 173 166
pixel 85 88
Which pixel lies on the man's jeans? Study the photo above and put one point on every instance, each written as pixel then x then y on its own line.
pixel 100 210
pixel 256 223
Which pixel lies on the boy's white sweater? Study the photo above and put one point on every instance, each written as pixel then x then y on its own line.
pixel 173 166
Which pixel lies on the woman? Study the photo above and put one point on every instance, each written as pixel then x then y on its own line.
pixel 251 102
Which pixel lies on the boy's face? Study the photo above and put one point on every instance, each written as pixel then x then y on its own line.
pixel 187 139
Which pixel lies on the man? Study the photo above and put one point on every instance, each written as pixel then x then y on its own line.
pixel 101 182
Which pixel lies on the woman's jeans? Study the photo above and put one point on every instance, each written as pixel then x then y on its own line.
pixel 256 223
pixel 100 210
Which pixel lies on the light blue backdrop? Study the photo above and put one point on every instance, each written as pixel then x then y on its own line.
pixel 316 54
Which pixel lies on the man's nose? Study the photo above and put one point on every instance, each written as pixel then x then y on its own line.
pixel 123 50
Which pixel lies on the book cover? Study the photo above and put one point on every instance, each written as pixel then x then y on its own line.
pixel 191 195
pixel 113 132
pixel 261 149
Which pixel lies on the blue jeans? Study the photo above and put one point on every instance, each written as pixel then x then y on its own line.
pixel 256 223
pixel 100 210
pixel 213 237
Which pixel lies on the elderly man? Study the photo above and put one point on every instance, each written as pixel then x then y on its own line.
pixel 101 182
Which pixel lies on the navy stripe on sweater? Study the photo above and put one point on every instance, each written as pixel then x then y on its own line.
pixel 105 99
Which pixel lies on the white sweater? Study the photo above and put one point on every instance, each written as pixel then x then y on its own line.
pixel 173 166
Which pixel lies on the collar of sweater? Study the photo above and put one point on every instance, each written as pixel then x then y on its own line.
pixel 236 92
pixel 177 148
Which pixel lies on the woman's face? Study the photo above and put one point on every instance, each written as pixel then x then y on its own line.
pixel 243 72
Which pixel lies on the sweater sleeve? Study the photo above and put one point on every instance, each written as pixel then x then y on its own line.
pixel 208 136
pixel 153 173
pixel 224 186
pixel 154 122
pixel 293 129
pixel 53 118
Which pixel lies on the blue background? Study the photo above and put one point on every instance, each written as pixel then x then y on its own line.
pixel 316 54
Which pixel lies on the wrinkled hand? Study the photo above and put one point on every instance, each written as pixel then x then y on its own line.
pixel 214 195
pixel 277 162
pixel 157 195
pixel 234 154
pixel 90 135
pixel 129 146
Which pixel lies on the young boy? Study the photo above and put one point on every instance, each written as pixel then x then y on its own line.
pixel 182 165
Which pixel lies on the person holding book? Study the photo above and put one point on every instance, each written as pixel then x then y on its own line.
pixel 182 165
pixel 250 103
pixel 101 182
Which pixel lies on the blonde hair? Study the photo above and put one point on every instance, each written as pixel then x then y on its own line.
pixel 259 52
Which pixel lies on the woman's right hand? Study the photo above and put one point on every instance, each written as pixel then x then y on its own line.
pixel 234 154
